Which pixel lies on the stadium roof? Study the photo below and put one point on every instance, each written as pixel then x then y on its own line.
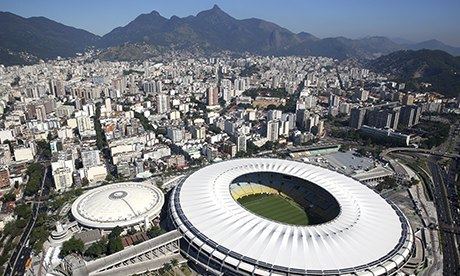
pixel 367 232
pixel 120 204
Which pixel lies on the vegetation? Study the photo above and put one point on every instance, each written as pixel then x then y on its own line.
pixel 23 211
pixel 114 244
pixel 44 148
pixel 275 207
pixel 96 249
pixel 266 92
pixel 10 196
pixel 387 184
pixel 155 231
pixel 144 121
pixel 436 133
pixel 35 174
pixel 423 66
pixel 72 246
pixel 101 140
pixel 132 71
pixel 39 233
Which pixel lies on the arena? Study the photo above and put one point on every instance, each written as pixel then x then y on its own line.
pixel 275 217
pixel 120 204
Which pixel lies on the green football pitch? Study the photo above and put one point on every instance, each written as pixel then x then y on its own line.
pixel 275 207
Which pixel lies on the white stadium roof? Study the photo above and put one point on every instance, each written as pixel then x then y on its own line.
pixel 120 204
pixel 368 233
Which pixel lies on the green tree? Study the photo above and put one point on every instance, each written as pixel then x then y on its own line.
pixel 10 196
pixel 155 231
pixel 23 211
pixel 72 246
pixel 116 232
pixel 114 245
pixel 96 249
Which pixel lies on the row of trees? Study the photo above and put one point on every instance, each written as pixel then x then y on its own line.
pixel 101 140
pixel 105 246
pixel 144 121
pixel 35 174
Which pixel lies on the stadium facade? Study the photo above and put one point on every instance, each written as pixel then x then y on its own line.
pixel 121 204
pixel 353 230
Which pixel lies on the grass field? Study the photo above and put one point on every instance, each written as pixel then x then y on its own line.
pixel 275 207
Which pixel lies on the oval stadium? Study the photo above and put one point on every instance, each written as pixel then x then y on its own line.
pixel 120 204
pixel 266 216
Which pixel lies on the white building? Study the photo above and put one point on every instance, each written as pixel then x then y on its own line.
pixel 272 130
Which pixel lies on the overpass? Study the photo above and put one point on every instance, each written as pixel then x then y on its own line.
pixel 426 151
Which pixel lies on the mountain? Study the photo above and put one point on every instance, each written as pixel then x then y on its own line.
pixel 214 29
pixel 26 40
pixel 210 29
pixel 434 44
pixel 437 67
pixel 39 37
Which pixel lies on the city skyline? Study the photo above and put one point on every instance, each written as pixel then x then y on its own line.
pixel 411 21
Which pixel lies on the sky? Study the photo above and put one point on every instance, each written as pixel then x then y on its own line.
pixel 413 20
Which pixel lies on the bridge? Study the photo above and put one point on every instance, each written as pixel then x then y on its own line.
pixel 426 151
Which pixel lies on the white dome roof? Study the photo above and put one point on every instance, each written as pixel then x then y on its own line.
pixel 120 204
pixel 367 232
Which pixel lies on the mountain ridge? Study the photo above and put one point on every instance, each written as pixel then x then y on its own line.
pixel 415 67
pixel 209 30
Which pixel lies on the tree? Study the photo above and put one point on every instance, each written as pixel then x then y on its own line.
pixel 114 245
pixel 96 249
pixel 9 197
pixel 155 231
pixel 115 232
pixel 72 246
pixel 23 211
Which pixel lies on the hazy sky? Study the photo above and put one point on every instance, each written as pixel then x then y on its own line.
pixel 414 20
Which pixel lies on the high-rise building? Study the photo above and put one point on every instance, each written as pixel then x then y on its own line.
pixel 344 108
pixel 360 95
pixel 410 115
pixel 163 104
pixel 290 118
pixel 175 134
pixel 62 178
pixel 84 123
pixel 241 142
pixel 274 115
pixel 334 100
pixel 357 117
pixel 408 99
pixel 213 96
pixel 272 130
pixel 383 118
pixel 90 158
pixel 108 104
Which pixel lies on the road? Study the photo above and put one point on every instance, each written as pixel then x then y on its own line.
pixel 16 264
pixel 448 215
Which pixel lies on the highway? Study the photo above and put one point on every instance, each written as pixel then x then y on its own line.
pixel 448 216
pixel 16 264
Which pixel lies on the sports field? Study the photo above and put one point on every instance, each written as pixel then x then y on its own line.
pixel 275 207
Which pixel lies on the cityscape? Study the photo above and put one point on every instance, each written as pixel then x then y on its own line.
pixel 211 145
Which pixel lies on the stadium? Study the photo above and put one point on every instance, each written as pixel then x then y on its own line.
pixel 275 217
pixel 121 204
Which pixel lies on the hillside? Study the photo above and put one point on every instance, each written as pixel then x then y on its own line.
pixel 26 40
pixel 437 67
pixel 39 37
